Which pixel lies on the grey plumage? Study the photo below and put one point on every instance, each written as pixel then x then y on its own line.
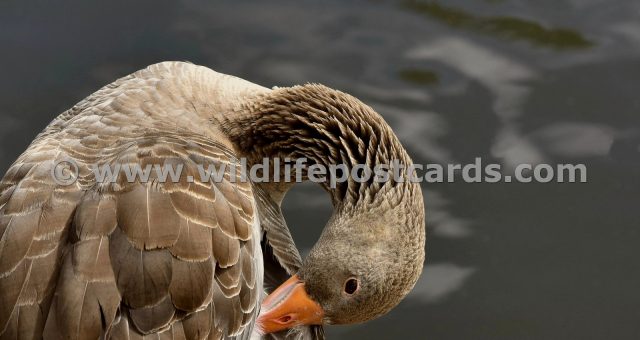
pixel 179 260
pixel 126 259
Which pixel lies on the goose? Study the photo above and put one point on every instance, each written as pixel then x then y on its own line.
pixel 184 259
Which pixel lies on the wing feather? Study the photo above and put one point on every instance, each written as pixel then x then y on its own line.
pixel 34 217
pixel 143 276
pixel 153 318
pixel 194 242
pixel 128 259
pixel 147 217
pixel 191 287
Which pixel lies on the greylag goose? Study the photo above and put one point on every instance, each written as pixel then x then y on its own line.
pixel 183 259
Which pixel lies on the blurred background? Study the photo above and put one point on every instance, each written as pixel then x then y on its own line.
pixel 511 81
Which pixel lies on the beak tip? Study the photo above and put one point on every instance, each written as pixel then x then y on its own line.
pixel 288 306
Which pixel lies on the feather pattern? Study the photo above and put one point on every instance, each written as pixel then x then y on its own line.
pixel 141 259
pixel 129 259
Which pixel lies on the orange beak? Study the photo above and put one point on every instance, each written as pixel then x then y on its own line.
pixel 289 306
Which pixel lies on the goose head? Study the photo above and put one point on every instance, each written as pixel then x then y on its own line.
pixel 371 252
pixel 361 267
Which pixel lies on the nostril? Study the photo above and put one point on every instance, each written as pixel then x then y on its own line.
pixel 285 319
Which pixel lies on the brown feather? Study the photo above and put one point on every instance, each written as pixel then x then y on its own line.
pixel 175 332
pixel 191 284
pixel 41 280
pixel 226 250
pixel 153 318
pixel 146 215
pixel 6 191
pixel 28 323
pixel 11 286
pixel 91 261
pixel 229 279
pixel 224 306
pixel 95 216
pixel 143 277
pixel 27 196
pixel 123 329
pixel 16 240
pixel 194 242
pixel 198 325
pixel 196 207
pixel 222 209
pixel 81 307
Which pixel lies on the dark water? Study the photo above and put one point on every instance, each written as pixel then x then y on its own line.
pixel 509 81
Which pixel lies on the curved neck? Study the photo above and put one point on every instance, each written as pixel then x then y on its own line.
pixel 325 127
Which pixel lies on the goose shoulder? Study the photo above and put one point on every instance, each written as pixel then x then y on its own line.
pixel 167 96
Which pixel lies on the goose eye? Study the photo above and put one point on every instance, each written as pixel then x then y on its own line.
pixel 351 286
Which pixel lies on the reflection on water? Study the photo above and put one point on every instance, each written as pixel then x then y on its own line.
pixel 441 222
pixel 440 280
pixel 505 260
pixel 505 27
pixel 419 77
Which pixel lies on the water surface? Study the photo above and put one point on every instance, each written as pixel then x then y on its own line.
pixel 509 81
